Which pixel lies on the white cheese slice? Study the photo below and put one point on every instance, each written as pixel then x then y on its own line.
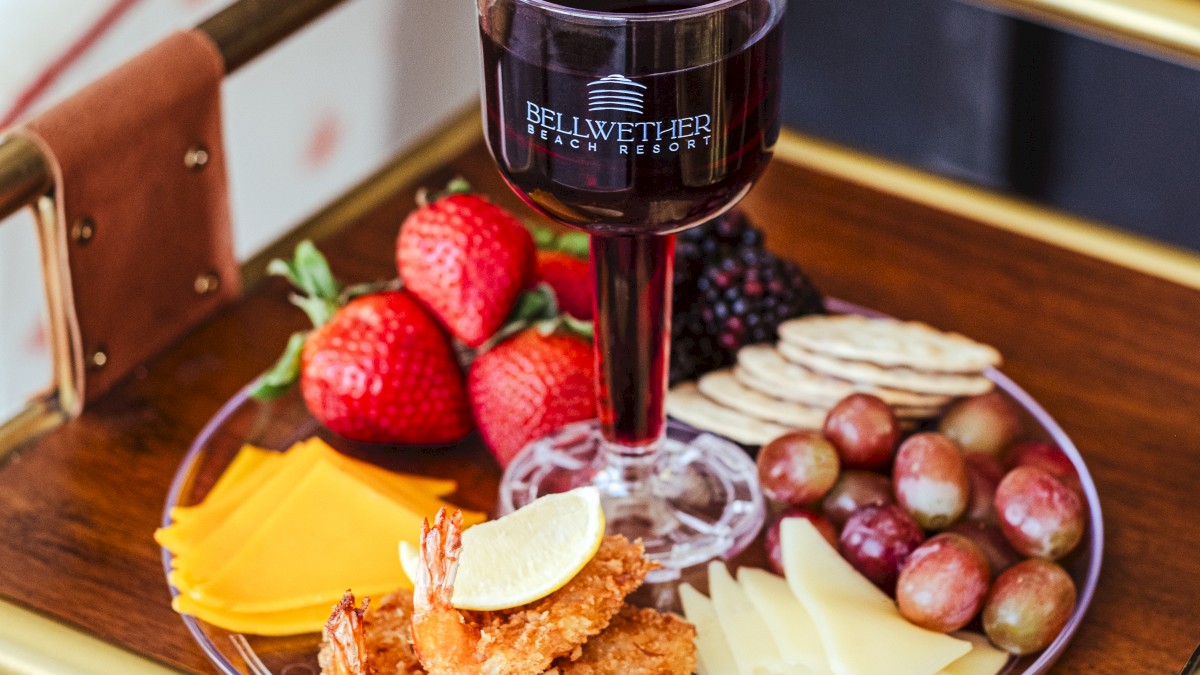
pixel 713 655
pixel 789 623
pixel 983 659
pixel 860 627
pixel 754 649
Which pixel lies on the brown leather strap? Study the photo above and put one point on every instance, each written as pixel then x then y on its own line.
pixel 142 207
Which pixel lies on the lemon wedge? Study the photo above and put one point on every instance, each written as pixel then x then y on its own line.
pixel 525 555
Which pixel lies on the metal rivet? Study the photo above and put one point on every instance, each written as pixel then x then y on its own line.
pixel 83 230
pixel 207 283
pixel 196 157
pixel 97 359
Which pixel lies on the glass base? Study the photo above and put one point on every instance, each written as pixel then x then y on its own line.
pixel 694 500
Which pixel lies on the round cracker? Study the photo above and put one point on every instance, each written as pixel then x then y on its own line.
pixel 767 371
pixel 721 386
pixel 947 384
pixel 889 342
pixel 763 368
pixel 686 404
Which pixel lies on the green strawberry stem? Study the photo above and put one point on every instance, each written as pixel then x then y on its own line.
pixel 584 329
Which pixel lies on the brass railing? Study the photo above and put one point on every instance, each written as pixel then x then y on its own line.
pixel 241 32
pixel 1166 29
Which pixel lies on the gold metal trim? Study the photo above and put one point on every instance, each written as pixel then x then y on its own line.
pixel 23 173
pixel 1007 213
pixel 32 644
pixel 248 28
pixel 39 416
pixel 443 144
pixel 1165 28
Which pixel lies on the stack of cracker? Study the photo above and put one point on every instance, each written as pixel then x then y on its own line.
pixel 818 361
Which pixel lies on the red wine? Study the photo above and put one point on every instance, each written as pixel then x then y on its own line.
pixel 612 153
pixel 631 132
pixel 630 6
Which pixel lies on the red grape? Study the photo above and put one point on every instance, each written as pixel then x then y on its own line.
pixel 1049 457
pixel 877 540
pixel 930 480
pixel 797 468
pixel 853 490
pixel 1041 517
pixel 864 430
pixel 984 473
pixel 943 583
pixel 771 541
pixel 991 541
pixel 1028 605
pixel 985 423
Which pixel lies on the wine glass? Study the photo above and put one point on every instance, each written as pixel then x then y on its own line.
pixel 633 120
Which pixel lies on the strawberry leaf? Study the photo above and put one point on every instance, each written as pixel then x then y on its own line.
pixel 574 243
pixel 571 243
pixel 276 381
pixel 537 303
pixel 309 272
pixel 457 186
pixel 533 306
pixel 313 271
pixel 543 237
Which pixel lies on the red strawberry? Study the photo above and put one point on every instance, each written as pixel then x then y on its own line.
pixel 531 385
pixel 571 279
pixel 382 370
pixel 467 260
pixel 378 369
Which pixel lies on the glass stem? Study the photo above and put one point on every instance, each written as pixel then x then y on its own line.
pixel 633 335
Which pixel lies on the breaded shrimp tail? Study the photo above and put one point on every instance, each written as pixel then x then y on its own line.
pixel 346 639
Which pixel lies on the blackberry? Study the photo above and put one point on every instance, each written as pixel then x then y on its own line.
pixel 711 240
pixel 737 294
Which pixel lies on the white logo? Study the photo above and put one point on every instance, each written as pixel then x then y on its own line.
pixel 615 92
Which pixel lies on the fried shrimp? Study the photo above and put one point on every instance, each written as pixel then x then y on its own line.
pixel 388 640
pixel 639 641
pixel 520 641
pixel 345 648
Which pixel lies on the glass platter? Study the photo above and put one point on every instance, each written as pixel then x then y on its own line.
pixel 280 423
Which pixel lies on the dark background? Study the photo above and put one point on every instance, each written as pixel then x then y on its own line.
pixel 1091 128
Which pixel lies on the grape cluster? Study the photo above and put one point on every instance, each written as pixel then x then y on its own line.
pixel 729 292
pixel 966 522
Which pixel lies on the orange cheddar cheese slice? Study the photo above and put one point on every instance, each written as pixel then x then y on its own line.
pixel 204 552
pixel 282 535
pixel 249 470
pixel 290 622
pixel 328 534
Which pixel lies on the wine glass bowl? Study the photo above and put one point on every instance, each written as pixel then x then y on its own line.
pixel 632 120
pixel 647 118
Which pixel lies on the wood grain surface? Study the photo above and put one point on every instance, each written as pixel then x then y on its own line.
pixel 1112 354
